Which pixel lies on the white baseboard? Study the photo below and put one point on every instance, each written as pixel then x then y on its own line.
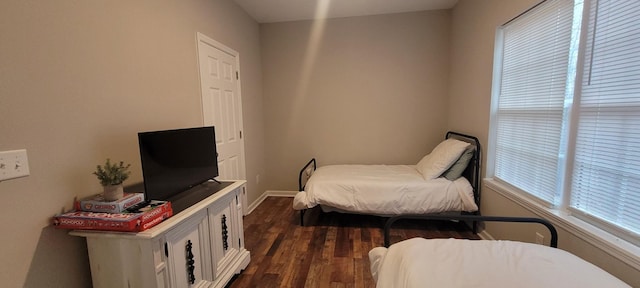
pixel 273 193
pixel 277 193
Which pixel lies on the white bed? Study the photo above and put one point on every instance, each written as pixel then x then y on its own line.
pixel 384 190
pixel 454 263
pixel 444 180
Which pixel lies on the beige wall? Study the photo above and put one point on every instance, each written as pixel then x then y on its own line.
pixel 354 90
pixel 473 31
pixel 78 80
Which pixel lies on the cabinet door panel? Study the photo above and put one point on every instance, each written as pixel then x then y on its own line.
pixel 225 235
pixel 188 253
pixel 160 263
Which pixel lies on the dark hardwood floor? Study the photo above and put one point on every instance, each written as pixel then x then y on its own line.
pixel 330 251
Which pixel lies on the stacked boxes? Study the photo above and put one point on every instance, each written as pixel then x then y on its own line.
pixel 130 218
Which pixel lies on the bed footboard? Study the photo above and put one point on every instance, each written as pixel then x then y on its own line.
pixel 475 218
pixel 305 173
pixel 303 177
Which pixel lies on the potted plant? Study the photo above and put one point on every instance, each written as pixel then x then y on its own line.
pixel 111 176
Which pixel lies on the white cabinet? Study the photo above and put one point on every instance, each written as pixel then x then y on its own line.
pixel 202 246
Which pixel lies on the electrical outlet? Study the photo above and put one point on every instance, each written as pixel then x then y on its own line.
pixel 258 179
pixel 13 164
pixel 539 238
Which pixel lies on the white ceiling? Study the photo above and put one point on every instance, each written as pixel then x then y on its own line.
pixel 268 11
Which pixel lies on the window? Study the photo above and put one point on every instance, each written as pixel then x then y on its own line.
pixel 565 125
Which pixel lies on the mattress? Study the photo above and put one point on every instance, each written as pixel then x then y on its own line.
pixel 454 263
pixel 384 190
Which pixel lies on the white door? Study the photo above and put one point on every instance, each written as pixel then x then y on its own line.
pixel 222 105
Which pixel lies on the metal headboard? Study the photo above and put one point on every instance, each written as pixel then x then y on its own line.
pixel 472 172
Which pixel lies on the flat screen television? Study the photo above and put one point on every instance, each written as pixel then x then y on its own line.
pixel 175 161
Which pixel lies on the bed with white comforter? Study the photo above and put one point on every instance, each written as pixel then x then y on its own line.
pixel 439 182
pixel 384 190
pixel 454 263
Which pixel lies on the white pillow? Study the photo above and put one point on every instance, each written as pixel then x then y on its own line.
pixel 441 158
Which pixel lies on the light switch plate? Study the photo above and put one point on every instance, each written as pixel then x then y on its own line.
pixel 13 164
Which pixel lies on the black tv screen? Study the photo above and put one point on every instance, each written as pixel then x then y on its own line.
pixel 173 161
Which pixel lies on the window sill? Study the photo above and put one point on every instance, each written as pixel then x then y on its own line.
pixel 614 246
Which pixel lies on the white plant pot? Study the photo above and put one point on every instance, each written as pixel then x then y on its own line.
pixel 112 192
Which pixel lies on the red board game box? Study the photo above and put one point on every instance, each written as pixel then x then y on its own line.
pixel 135 221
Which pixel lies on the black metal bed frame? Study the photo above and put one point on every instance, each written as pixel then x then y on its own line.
pixel 472 173
pixel 301 185
pixel 476 218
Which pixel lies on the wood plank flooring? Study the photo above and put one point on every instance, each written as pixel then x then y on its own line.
pixel 331 250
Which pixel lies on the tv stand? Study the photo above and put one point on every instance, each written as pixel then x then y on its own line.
pixel 201 246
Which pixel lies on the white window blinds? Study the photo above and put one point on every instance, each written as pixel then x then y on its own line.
pixel 529 112
pixel 606 172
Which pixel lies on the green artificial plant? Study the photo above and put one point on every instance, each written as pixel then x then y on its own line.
pixel 112 174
